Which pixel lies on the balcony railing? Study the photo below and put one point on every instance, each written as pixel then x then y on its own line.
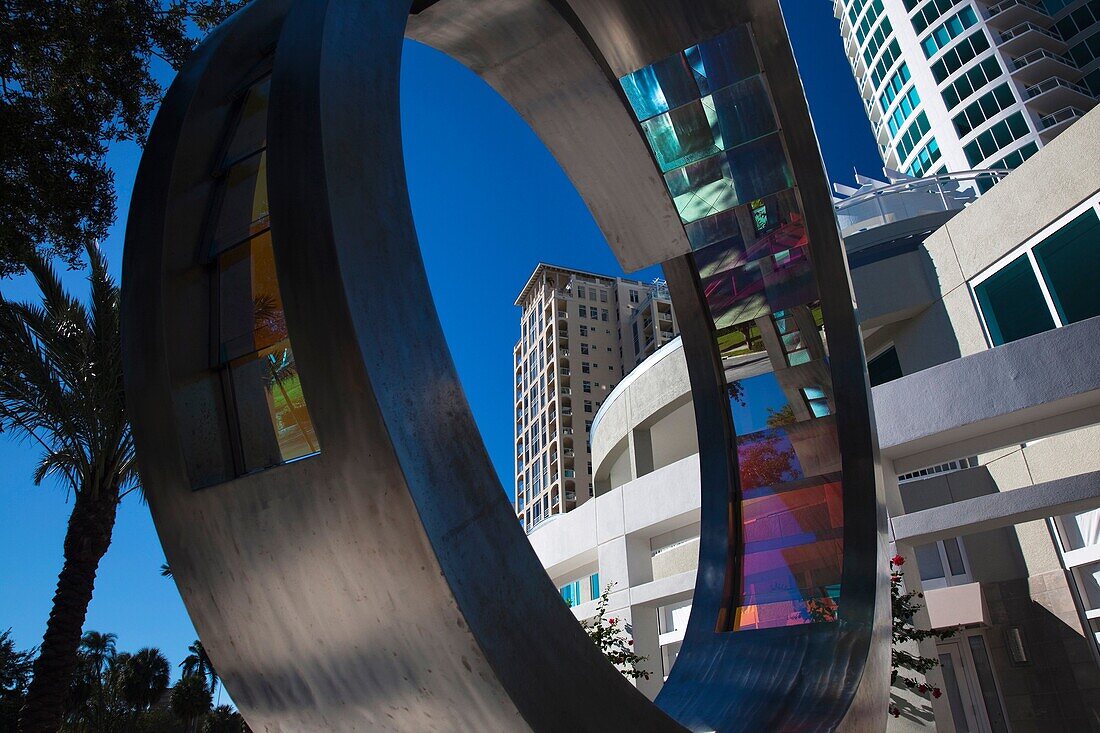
pixel 570 495
pixel 570 473
pixel 1028 36
pixel 1066 114
pixel 913 199
pixel 1013 11
pixel 1053 83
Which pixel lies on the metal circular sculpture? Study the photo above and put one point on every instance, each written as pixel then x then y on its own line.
pixel 315 475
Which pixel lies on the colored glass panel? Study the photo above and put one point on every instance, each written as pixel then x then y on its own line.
pixel 726 169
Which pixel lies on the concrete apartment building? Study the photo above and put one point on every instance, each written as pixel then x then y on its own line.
pixel 957 86
pixel 984 346
pixel 580 334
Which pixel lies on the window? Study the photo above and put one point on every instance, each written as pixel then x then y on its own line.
pixel 884 368
pixel 971 81
pixel 603 314
pixel 901 113
pixel 633 296
pixel 960 55
pixel 942 564
pixel 894 87
pixel 1012 303
pixel 582 311
pixel 588 406
pixel 874 43
pixel 587 427
pixel 882 66
pixel 580 292
pixel 949 30
pixel 912 135
pixel 584 330
pixel 587 386
pixel 983 108
pixel 603 296
pixel 924 160
pixel 1085 51
pixel 1079 21
pixel 816 401
pixel 586 367
pixel 584 348
pixel 998 136
pixel 594 585
pixel 1016 157
pixel 1066 259
pixel 930 13
pixel 868 21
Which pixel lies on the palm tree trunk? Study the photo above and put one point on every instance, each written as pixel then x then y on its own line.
pixel 86 540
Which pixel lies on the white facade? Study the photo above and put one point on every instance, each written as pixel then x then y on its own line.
pixel 984 344
pixel 953 86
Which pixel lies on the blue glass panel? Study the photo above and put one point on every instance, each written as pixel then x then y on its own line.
pixel 660 87
pixel 682 136
pixel 724 60
pixel 743 111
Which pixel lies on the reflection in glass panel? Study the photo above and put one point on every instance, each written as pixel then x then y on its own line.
pixel 1012 303
pixel 1069 259
pixel 793 544
pixel 271 409
pixel 244 210
pixel 726 170
pixel 251 308
pixel 251 132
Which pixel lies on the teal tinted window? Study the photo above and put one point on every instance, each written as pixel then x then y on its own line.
pixel 998 136
pixel 955 58
pixel 1016 157
pixel 982 109
pixel 922 163
pixel 889 56
pixel 1069 259
pixel 950 29
pixel 874 43
pixel 1013 304
pixel 594 585
pixel 971 81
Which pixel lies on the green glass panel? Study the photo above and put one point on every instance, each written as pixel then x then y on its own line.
pixel 1013 304
pixel 1069 260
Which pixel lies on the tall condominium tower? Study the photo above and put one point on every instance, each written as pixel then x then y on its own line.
pixel 580 334
pixel 955 86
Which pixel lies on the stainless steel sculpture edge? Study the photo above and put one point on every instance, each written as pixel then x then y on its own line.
pixel 383 583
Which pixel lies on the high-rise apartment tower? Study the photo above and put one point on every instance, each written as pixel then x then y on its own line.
pixel 955 86
pixel 580 334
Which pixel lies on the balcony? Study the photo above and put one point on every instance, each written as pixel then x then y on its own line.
pixel 1040 64
pixel 1055 93
pixel 666 335
pixel 570 473
pixel 566 391
pixel 568 452
pixel 570 495
pixel 565 372
pixel 562 315
pixel 568 432
pixel 567 411
pixel 1010 13
pixel 1053 124
pixel 1026 37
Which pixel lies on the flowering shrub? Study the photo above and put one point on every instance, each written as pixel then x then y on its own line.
pixel 904 607
pixel 610 635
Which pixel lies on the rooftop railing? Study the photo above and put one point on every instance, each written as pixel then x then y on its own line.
pixel 906 200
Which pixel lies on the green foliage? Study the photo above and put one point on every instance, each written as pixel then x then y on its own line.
pixel 75 76
pixel 198 663
pixel 223 719
pixel 15 675
pixel 610 635
pixel 191 699
pixel 904 606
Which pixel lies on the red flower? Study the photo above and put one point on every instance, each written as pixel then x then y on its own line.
pixel 611 621
pixel 936 692
pixel 630 642
pixel 897 560
pixel 895 712
pixel 923 688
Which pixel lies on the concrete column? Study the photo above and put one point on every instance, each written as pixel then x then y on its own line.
pixel 642 622
pixel 641 452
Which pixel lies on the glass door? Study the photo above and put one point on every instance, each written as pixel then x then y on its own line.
pixel 957 688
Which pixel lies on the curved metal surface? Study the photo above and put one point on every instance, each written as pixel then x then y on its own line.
pixel 382 582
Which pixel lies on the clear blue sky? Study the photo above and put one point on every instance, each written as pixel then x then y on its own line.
pixel 489 203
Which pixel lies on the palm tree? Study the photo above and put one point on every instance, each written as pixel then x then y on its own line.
pixel 61 389
pixel 191 700
pixel 198 663
pixel 146 679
